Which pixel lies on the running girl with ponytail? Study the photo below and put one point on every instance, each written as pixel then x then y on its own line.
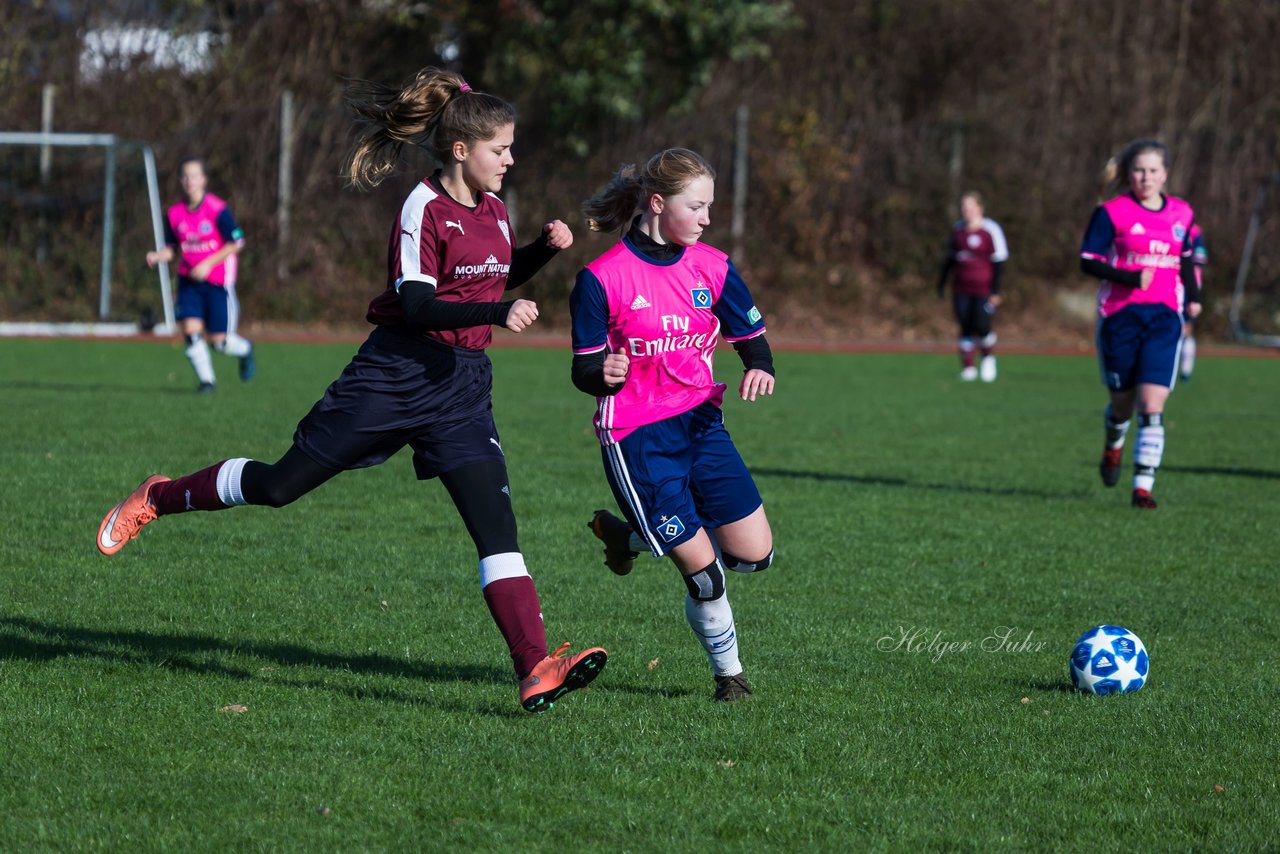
pixel 421 378
pixel 646 318
pixel 1139 245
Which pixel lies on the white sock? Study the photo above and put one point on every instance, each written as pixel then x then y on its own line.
pixel 1148 450
pixel 1116 430
pixel 712 623
pixel 1188 356
pixel 228 482
pixel 198 354
pixel 234 345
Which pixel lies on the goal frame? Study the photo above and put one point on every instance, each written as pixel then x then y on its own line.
pixel 113 146
pixel 1238 330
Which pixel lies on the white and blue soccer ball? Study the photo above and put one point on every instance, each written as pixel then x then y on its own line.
pixel 1109 660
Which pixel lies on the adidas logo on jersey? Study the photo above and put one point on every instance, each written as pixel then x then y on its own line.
pixel 640 302
pixel 1137 229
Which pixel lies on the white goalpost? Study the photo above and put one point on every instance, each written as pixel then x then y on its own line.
pixel 112 146
pixel 1239 327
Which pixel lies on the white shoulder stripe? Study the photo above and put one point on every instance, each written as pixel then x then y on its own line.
pixel 411 231
pixel 430 280
pixel 1000 249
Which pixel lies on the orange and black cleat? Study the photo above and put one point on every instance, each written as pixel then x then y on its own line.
pixel 558 674
pixel 126 519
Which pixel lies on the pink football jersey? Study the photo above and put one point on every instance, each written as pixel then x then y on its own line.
pixel 1143 239
pixel 199 236
pixel 667 318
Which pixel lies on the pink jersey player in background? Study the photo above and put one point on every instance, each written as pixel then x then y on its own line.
pixel 1138 245
pixel 1199 254
pixel 976 252
pixel 203 235
pixel 647 315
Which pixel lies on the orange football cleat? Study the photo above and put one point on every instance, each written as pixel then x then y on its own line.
pixel 558 674
pixel 126 519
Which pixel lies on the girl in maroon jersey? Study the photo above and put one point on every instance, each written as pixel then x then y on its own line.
pixel 422 378
pixel 976 251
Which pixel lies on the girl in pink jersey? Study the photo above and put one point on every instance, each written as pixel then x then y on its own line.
pixel 647 315
pixel 203 235
pixel 1138 244
pixel 976 252
pixel 422 378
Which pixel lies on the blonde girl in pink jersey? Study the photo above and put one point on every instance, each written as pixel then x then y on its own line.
pixel 203 236
pixel 647 315
pixel 1138 244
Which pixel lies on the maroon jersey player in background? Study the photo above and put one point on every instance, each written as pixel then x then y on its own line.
pixel 976 251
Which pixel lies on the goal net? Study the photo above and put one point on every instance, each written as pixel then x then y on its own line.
pixel 82 210
pixel 1255 303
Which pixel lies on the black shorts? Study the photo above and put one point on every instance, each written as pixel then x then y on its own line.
pixel 405 390
pixel 974 314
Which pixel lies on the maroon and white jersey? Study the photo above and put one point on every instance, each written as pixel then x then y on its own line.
pixel 975 254
pixel 465 253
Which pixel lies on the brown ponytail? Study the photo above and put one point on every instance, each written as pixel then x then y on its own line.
pixel 667 173
pixel 433 110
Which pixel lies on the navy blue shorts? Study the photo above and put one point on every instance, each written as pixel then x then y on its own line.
pixel 1139 344
pixel 678 475
pixel 216 305
pixel 405 390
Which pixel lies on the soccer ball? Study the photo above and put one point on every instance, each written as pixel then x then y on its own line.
pixel 1109 660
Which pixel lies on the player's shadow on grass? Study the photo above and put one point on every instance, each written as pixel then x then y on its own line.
pixel 1230 471
pixel 202 654
pixel 879 480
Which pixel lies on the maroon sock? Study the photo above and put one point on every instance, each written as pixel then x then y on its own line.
pixel 197 491
pixel 966 358
pixel 513 602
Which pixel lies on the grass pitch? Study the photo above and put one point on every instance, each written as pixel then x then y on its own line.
pixel 940 547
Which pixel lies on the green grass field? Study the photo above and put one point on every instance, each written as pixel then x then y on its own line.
pixel 382 713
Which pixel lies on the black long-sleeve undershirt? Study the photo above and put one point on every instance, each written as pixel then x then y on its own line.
pixel 587 371
pixel 587 374
pixel 527 260
pixel 423 310
pixel 1133 278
